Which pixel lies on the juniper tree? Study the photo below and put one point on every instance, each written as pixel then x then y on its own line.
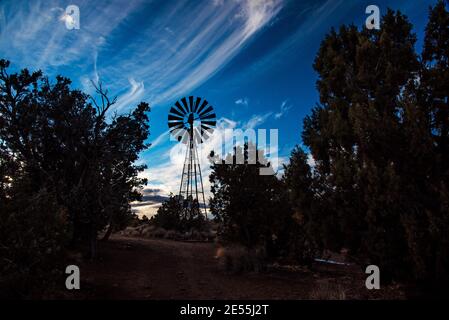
pixel 252 209
pixel 67 169
pixel 379 140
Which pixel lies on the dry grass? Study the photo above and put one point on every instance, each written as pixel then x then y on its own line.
pixel 236 259
pixel 151 232
pixel 327 291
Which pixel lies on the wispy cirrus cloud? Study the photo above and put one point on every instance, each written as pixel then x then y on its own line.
pixel 140 50
pixel 169 51
pixel 256 120
pixel 128 100
pixel 34 35
pixel 194 49
pixel 242 102
pixel 285 107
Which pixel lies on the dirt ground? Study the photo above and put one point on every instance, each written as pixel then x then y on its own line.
pixel 134 268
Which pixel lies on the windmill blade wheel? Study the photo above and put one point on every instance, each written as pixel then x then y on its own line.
pixel 191 115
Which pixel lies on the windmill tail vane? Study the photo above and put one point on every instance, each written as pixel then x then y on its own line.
pixel 191 121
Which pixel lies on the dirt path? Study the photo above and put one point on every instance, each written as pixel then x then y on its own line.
pixel 130 268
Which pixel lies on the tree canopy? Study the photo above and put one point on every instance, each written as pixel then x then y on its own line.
pixel 378 138
pixel 67 167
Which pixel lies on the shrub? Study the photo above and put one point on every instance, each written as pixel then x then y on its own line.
pixel 171 234
pixel 238 258
pixel 159 233
pixel 327 291
pixel 33 235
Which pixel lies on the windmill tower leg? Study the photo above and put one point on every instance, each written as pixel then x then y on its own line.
pixel 191 190
pixel 201 192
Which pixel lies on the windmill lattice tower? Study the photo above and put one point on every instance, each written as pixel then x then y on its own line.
pixel 191 121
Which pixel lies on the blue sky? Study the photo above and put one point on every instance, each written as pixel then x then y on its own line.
pixel 251 59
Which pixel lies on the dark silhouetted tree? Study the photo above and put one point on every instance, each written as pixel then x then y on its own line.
pixel 252 209
pixel 175 215
pixel 379 141
pixel 66 172
pixel 169 215
pixel 305 219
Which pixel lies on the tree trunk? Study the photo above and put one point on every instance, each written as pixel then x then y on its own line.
pixel 108 232
pixel 93 243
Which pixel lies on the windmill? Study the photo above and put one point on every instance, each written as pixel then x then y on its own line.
pixel 191 121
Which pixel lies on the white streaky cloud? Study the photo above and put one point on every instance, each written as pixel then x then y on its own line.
pixel 315 15
pixel 96 75
pixel 171 52
pixel 128 100
pixel 218 2
pixel 172 66
pixel 257 13
pixel 242 101
pixel 87 82
pixel 256 120
pixel 284 109
pixel 35 33
pixel 162 137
